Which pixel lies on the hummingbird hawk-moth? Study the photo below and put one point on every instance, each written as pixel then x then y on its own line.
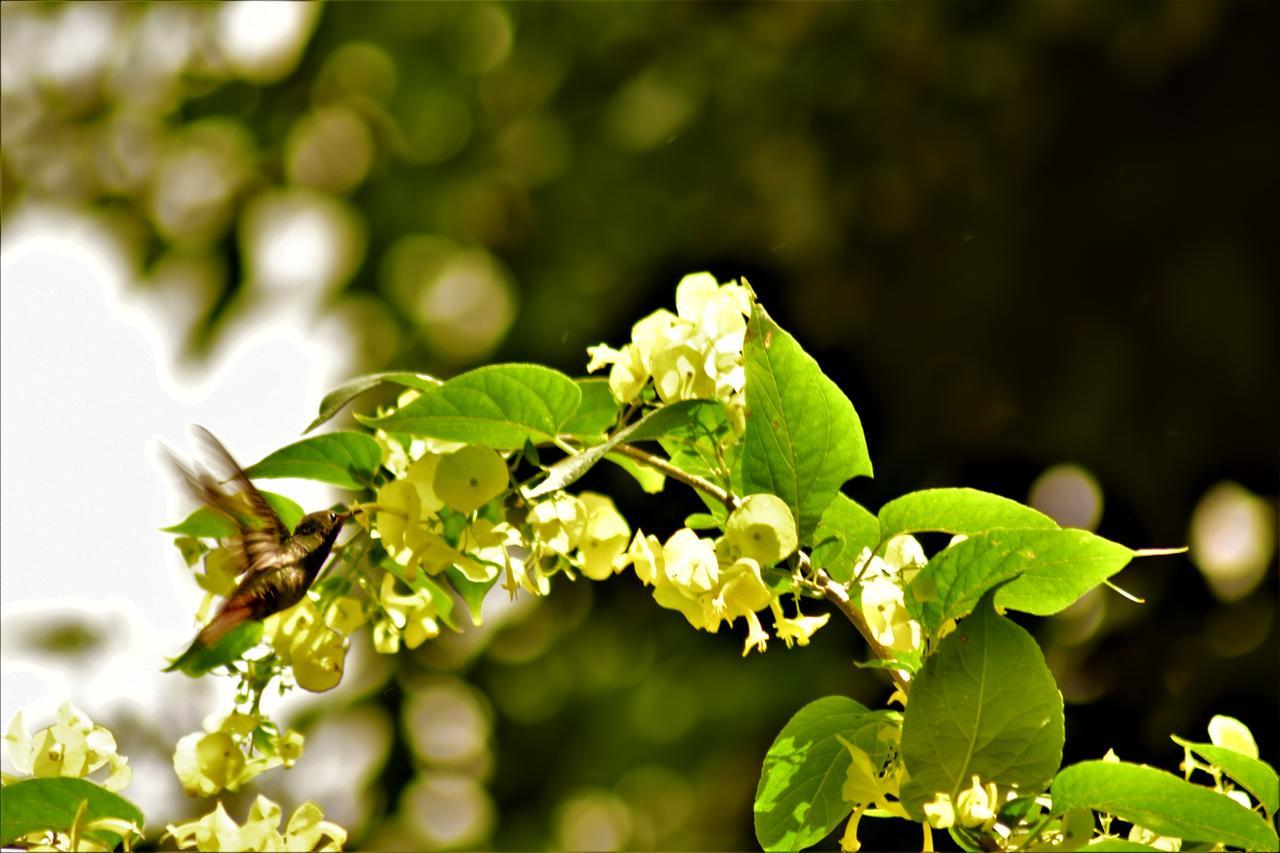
pixel 275 566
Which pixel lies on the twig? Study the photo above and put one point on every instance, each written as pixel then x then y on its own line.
pixel 693 481
pixel 839 596
pixel 821 583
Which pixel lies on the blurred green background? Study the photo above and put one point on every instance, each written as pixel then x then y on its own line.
pixel 1018 235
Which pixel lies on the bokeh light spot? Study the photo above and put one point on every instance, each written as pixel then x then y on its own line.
pixel 1233 538
pixel 198 176
pixel 1069 495
pixel 263 40
pixel 447 810
pixel 355 70
pixel 649 110
pixel 535 148
pixel 330 149
pixel 446 723
pixel 481 38
pixel 298 240
pixel 593 820
pixel 436 124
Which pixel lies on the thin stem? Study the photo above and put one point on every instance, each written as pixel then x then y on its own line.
pixel 693 481
pixel 822 583
pixel 839 596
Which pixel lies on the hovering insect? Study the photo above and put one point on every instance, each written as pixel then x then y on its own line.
pixel 276 567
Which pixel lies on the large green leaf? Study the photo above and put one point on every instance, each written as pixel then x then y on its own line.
pixel 803 437
pixel 35 805
pixel 349 390
pixel 199 659
pixel 984 704
pixel 1161 802
pixel 596 413
pixel 345 459
pixel 1053 567
pixel 680 417
pixel 1257 777
pixel 499 406
pixel 208 523
pixel 966 511
pixel 798 800
pixel 846 528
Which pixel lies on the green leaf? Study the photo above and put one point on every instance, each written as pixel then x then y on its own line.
pixel 499 406
pixel 651 480
pixel 349 390
pixel 1067 564
pixel 199 659
pixel 803 438
pixel 846 528
pixel 702 521
pixel 983 704
pixel 345 459
pixel 34 805
pixel 1257 777
pixel 798 800
pixel 966 511
pixel 1116 845
pixel 208 523
pixel 472 592
pixel 596 413
pixel 1161 802
pixel 674 418
pixel 1055 566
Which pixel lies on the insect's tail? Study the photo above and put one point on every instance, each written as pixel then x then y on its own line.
pixel 222 625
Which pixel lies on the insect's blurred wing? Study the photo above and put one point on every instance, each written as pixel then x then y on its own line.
pixel 259 544
pixel 229 471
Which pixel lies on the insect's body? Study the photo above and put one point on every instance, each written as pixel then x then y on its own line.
pixel 283 578
pixel 276 567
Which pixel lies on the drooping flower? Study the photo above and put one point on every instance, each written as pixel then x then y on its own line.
pixel 604 538
pixel 306 830
pixel 73 746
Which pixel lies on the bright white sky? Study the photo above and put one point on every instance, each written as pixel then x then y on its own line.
pixel 87 386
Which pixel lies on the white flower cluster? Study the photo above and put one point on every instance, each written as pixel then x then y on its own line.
pixel 695 353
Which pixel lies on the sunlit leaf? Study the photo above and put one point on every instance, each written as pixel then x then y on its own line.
pixel 798 800
pixel 1160 802
pixel 984 704
pixel 499 406
pixel 208 523
pixel 1053 567
pixel 596 413
pixel 199 659
pixel 966 511
pixel 803 438
pixel 35 805
pixel 349 390
pixel 845 530
pixel 1257 777
pixel 345 459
